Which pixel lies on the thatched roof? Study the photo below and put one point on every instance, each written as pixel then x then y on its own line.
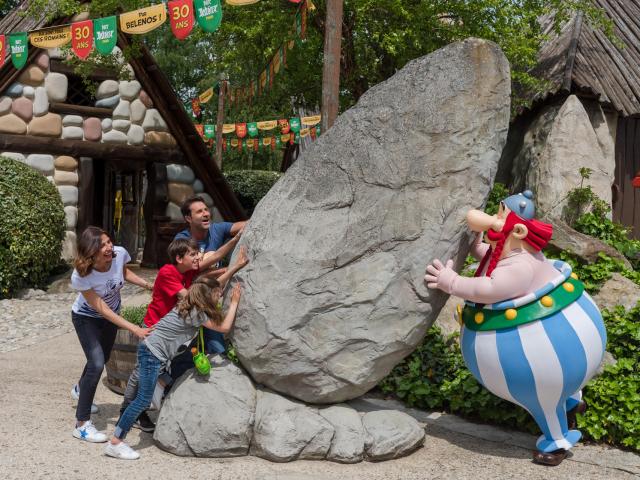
pixel 583 60
pixel 157 85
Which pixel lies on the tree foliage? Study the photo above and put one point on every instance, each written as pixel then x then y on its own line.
pixel 379 38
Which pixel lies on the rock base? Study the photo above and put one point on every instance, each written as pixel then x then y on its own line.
pixel 225 415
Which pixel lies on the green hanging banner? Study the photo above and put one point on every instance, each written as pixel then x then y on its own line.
pixel 105 34
pixel 297 138
pixel 252 128
pixel 208 14
pixel 294 123
pixel 209 131
pixel 278 142
pixel 318 129
pixel 18 43
pixel 244 144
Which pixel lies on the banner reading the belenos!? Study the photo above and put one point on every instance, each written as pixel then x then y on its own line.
pixel 181 17
pixel 18 43
pixel 82 38
pixel 51 37
pixel 105 34
pixel 143 20
pixel 208 14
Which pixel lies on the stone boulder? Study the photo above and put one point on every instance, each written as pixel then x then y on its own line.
pixel 585 247
pixel 618 290
pixel 556 145
pixel 334 295
pixel 285 430
pixel 208 416
pixel 391 434
pixel 347 445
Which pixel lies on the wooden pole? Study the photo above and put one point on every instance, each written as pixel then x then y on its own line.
pixel 331 64
pixel 220 122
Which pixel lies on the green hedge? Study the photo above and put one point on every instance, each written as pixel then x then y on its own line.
pixel 31 227
pixel 251 185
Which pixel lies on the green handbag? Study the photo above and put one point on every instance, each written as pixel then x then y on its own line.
pixel 200 359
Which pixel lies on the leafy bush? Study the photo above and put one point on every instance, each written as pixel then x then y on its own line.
pixel 498 193
pixel 434 376
pixel 31 227
pixel 251 185
pixel 611 233
pixel 614 397
pixel 134 315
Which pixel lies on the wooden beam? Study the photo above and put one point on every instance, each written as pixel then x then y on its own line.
pixel 98 74
pixel 69 108
pixel 83 148
pixel 157 85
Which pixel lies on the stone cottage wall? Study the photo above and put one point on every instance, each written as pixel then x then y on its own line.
pixel 24 110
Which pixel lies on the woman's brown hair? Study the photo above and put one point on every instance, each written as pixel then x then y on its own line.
pixel 89 245
pixel 199 297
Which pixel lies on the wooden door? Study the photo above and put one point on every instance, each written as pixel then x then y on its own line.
pixel 626 198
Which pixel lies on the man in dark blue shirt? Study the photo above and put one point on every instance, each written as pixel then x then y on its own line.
pixel 210 237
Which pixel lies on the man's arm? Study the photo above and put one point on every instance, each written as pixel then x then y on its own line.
pixel 211 258
pixel 237 227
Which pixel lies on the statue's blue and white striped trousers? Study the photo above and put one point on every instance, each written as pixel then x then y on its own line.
pixel 541 366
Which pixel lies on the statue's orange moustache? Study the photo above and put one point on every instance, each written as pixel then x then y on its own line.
pixel 479 221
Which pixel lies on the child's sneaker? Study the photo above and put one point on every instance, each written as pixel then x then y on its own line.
pixel 75 394
pixel 144 423
pixel 121 450
pixel 89 433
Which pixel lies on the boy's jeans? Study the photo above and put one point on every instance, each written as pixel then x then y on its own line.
pixel 149 369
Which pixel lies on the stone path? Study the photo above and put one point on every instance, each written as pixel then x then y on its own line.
pixel 38 315
pixel 40 359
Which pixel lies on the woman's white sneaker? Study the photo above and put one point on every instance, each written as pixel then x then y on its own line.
pixel 89 433
pixel 121 450
pixel 75 394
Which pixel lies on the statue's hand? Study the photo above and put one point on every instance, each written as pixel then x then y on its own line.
pixel 440 276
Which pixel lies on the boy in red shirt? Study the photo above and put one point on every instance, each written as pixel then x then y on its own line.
pixel 170 286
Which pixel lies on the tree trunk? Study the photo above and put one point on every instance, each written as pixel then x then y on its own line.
pixel 331 64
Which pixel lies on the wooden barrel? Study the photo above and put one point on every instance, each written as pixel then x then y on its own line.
pixel 122 361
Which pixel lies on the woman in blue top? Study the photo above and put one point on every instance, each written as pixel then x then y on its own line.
pixel 99 274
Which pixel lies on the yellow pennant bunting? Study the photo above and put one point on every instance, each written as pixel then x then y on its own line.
pixel 143 20
pixel 51 37
pixel 276 62
pixel 234 142
pixel 311 121
pixel 237 3
pixel 269 125
pixel 304 132
pixel 228 127
pixel 266 141
pixel 285 138
pixel 263 79
pixel 205 96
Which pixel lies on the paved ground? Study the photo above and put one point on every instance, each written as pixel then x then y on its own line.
pixel 37 370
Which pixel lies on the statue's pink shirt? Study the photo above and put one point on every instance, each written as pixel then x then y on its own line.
pixel 519 273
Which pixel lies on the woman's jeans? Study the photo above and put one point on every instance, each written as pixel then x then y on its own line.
pixel 96 336
pixel 149 369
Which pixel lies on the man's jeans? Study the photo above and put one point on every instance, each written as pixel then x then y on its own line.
pixel 149 369
pixel 96 336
